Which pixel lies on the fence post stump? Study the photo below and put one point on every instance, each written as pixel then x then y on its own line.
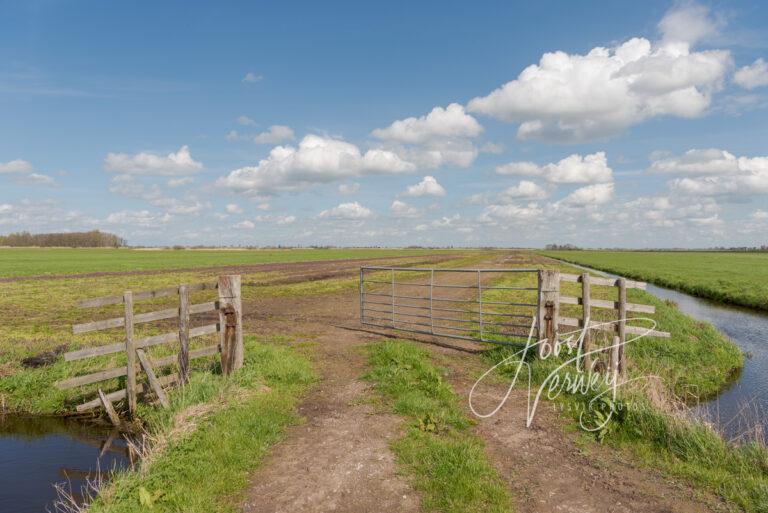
pixel 183 335
pixel 548 308
pixel 622 324
pixel 230 312
pixel 585 319
pixel 130 352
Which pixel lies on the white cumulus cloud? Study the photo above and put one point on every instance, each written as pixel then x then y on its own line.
pixel 695 162
pixel 16 166
pixel 525 190
pixel 317 160
pixel 689 22
pixel 714 172
pixel 752 76
pixel 275 135
pixel 173 164
pixel 234 208
pixel 402 209
pixel 349 188
pixel 441 137
pixel 572 169
pixel 351 211
pixel 597 194
pixel 440 123
pixel 582 97
pixel 427 187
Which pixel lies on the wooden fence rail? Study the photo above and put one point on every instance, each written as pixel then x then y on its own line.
pixel 549 319
pixel 230 344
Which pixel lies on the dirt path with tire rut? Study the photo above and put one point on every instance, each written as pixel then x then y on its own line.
pixel 338 459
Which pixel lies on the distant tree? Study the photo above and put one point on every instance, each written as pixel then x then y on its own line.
pixel 92 239
pixel 561 247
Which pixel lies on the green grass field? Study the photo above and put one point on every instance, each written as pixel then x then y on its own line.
pixel 44 261
pixel 735 278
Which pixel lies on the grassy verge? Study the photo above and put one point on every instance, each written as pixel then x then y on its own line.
pixel 215 433
pixel 735 278
pixel 444 459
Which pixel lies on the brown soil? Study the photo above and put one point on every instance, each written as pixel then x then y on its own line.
pixel 338 459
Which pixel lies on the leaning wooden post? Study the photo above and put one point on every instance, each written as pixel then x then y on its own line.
pixel 548 308
pixel 183 335
pixel 622 324
pixel 230 309
pixel 111 413
pixel 585 319
pixel 130 352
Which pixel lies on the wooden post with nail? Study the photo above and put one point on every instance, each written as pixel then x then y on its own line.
pixel 230 324
pixel 548 308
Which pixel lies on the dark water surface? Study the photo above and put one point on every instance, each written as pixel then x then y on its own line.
pixel 744 403
pixel 37 452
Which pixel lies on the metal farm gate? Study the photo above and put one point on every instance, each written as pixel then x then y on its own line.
pixel 481 305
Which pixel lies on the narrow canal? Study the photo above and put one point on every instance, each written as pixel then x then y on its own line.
pixel 38 452
pixel 744 404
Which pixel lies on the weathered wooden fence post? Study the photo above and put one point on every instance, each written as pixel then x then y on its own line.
pixel 622 324
pixel 585 319
pixel 548 308
pixel 614 368
pixel 130 352
pixel 231 324
pixel 183 335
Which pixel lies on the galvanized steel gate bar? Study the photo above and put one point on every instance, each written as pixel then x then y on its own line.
pixel 497 322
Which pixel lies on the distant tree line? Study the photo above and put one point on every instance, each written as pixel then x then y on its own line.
pixel 561 247
pixel 92 239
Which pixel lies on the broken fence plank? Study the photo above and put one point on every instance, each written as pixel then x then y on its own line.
pixel 117 372
pixel 111 413
pixel 156 388
pixel 119 395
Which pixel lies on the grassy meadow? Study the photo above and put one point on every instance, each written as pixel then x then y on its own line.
pixel 56 261
pixel 735 278
pixel 437 447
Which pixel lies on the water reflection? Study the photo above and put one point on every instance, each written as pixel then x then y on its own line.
pixel 38 452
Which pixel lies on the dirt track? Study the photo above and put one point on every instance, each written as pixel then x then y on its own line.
pixel 338 459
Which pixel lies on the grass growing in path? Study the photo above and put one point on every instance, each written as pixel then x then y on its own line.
pixel 446 462
pixel 215 433
pixel 736 278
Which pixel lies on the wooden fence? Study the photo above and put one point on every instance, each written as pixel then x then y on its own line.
pixel 230 343
pixel 549 318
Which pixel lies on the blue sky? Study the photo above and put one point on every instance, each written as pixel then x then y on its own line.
pixel 350 123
